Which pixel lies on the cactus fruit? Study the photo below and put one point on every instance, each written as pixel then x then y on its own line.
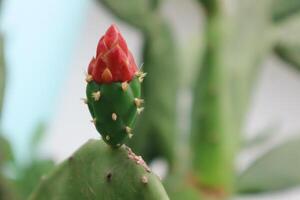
pixel 113 88
pixel 160 58
pixel 99 172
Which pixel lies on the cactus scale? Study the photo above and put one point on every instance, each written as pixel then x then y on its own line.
pixel 99 172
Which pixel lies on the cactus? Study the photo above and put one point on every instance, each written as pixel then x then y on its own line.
pixel 223 89
pixel 160 59
pixel 113 79
pixel 97 171
pixel 231 63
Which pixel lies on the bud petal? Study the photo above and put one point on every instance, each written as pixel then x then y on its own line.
pixel 114 62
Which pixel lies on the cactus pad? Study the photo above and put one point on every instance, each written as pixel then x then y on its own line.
pixel 114 108
pixel 99 172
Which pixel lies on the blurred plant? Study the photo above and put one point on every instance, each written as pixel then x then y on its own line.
pixel 235 48
pixel 158 122
pixel 18 180
pixel 28 175
pixel 6 191
pixel 25 177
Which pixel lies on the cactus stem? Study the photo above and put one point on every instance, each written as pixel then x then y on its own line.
pixel 124 86
pixel 114 116
pixel 94 121
pixel 144 179
pixel 96 95
pixel 107 137
pixel 88 78
pixel 140 110
pixel 138 102
pixel 85 101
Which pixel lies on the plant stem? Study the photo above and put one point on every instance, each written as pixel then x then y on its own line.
pixel 213 132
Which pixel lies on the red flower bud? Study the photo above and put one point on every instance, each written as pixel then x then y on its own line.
pixel 114 62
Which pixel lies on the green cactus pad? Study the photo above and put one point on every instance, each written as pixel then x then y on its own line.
pixel 114 108
pixel 99 172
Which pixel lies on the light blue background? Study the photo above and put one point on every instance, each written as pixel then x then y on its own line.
pixel 40 38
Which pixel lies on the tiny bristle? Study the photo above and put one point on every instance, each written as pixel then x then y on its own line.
pixel 140 110
pixel 94 121
pixel 124 86
pixel 114 116
pixel 128 129
pixel 138 102
pixel 141 75
pixel 96 95
pixel 144 179
pixel 85 101
pixel 88 78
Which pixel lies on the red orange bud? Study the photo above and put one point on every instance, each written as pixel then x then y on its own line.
pixel 114 62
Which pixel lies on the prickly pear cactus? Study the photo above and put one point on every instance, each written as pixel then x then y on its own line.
pixel 113 89
pixel 99 172
pixel 160 59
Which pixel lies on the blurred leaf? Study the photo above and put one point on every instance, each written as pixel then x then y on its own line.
pixel 277 169
pixel 284 8
pixel 29 176
pixel 6 190
pixel 262 137
pixel 6 153
pixel 135 12
pixel 288 46
pixel 289 54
